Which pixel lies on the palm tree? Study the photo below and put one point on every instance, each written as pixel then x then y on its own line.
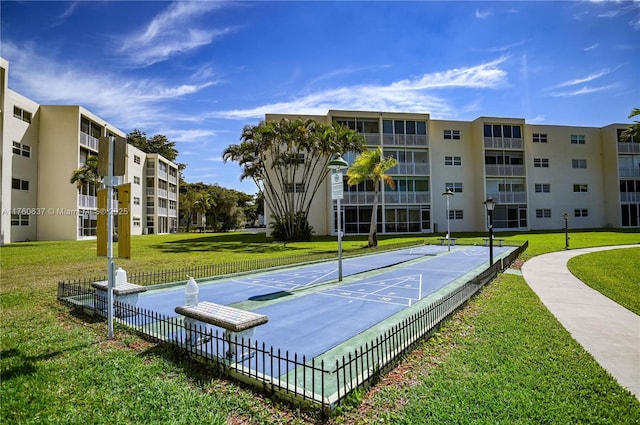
pixel 633 131
pixel 86 178
pixel 372 165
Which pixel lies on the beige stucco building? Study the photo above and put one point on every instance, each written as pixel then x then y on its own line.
pixel 41 145
pixel 536 174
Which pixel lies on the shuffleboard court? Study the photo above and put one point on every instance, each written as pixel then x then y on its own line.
pixel 321 317
pixel 236 289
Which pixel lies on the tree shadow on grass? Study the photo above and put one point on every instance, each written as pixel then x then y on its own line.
pixel 232 242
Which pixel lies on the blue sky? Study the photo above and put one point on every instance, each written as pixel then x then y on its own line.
pixel 198 72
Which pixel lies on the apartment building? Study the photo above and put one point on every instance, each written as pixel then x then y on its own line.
pixel 42 145
pixel 535 173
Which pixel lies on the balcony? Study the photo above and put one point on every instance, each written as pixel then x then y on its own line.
pixel 509 197
pixel 626 147
pixel 357 198
pixel 162 193
pixel 405 140
pixel 504 170
pixel 173 196
pixel 87 201
pixel 503 143
pixel 629 172
pixel 630 197
pixel 411 169
pixel 372 138
pixel 89 141
pixel 407 197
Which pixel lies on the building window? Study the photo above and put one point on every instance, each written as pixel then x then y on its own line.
pixel 580 188
pixel 19 219
pixel 454 187
pixel 21 114
pixel 136 221
pixel 577 139
pixel 452 134
pixel 136 179
pixel 136 159
pixel 498 130
pixel 541 162
pixel 18 184
pixel 578 163
pixel 543 213
pixel 543 187
pixel 136 200
pixel 539 138
pixel 453 161
pixel 456 214
pixel 172 205
pixel 581 212
pixel 21 149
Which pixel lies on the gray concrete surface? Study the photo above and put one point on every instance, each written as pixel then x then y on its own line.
pixel 608 331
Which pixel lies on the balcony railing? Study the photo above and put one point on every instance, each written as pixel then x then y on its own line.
pixel 503 143
pixel 162 193
pixel 630 196
pixel 162 211
pixel 89 141
pixel 629 171
pixel 509 197
pixel 405 140
pixel 407 197
pixel 88 201
pixel 357 198
pixel 626 147
pixel 372 138
pixel 505 170
pixel 410 168
pixel 173 196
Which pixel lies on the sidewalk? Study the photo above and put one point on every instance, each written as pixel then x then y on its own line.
pixel 608 331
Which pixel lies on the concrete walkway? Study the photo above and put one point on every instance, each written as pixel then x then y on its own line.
pixel 608 331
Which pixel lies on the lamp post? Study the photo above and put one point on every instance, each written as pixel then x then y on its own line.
pixel 490 204
pixel 448 194
pixel 337 165
pixel 566 231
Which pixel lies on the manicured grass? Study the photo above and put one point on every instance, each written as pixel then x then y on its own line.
pixel 502 360
pixel 58 366
pixel 613 273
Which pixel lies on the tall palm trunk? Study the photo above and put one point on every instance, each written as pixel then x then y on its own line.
pixel 373 239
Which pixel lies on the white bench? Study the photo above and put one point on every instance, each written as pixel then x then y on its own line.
pixel 126 293
pixel 239 324
pixel 500 241
pixel 443 240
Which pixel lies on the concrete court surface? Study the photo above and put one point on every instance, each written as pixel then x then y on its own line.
pixel 608 331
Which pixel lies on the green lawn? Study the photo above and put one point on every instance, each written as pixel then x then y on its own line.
pixel 613 273
pixel 502 359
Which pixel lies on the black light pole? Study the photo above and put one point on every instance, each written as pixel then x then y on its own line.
pixel 448 194
pixel 566 231
pixel 490 204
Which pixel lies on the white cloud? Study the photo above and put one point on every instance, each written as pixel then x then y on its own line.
pixel 582 80
pixel 132 103
pixel 408 95
pixel 482 14
pixel 583 90
pixel 593 46
pixel 171 32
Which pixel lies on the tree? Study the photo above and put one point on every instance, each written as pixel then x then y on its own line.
pixel 159 144
pixel 372 165
pixel 633 131
pixel 287 160
pixel 86 178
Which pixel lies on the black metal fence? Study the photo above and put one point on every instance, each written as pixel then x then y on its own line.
pixel 286 375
